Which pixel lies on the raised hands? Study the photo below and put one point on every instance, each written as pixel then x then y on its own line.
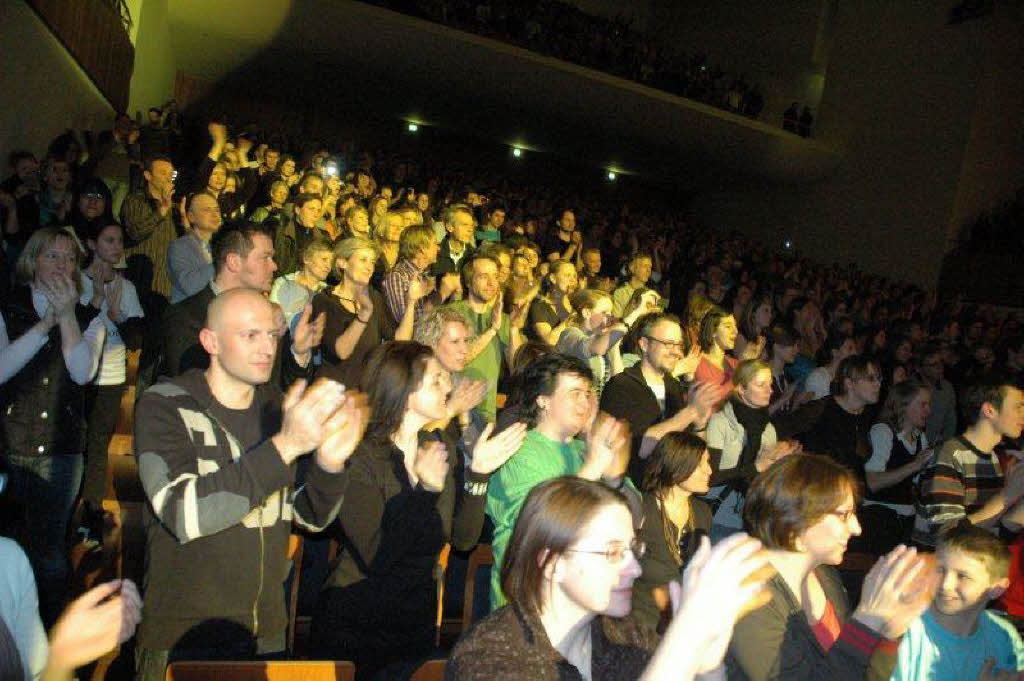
pixel 345 430
pixel 490 453
pixel 308 332
pixel 61 292
pixel 431 465
pixel 496 311
pixel 466 395
pixel 607 440
pixel 897 589
pixel 93 625
pixel 306 413
pixel 420 287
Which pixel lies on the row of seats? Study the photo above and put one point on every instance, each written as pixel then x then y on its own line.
pixel 284 671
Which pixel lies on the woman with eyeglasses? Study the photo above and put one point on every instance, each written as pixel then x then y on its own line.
pixel 743 443
pixel 803 509
pixel 569 570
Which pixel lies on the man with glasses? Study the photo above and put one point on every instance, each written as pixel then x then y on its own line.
pixel 649 397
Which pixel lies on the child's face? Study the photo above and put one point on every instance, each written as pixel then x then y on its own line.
pixel 964 583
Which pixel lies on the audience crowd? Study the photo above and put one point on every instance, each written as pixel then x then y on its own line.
pixel 684 449
pixel 609 44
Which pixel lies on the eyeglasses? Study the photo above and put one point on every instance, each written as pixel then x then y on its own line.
pixel 92 195
pixel 678 345
pixel 844 516
pixel 616 553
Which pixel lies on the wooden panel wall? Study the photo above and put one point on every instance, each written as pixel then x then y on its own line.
pixel 93 33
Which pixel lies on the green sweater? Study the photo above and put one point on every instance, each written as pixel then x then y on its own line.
pixel 539 459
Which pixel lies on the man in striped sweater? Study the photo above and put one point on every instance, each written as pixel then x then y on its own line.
pixel 967 479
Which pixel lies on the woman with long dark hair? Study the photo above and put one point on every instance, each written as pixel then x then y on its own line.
pixel 406 498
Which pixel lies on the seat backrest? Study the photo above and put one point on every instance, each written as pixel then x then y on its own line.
pixel 260 671
pixel 432 670
pixel 482 556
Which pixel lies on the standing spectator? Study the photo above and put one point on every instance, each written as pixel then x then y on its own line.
pixel 639 269
pixel 189 258
pixel 292 236
pixel 55 197
pixel 296 290
pixel 563 242
pixel 967 480
pixel 278 194
pixel 549 313
pixel 122 316
pixel 149 224
pixel 407 496
pixel 417 251
pixel 458 222
pixel 221 506
pixel 43 401
pixel 356 315
pixel 593 335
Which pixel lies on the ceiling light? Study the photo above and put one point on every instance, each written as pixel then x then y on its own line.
pixel 517 152
pixel 413 127
pixel 611 175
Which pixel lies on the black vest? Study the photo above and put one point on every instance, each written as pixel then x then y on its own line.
pixel 43 409
pixel 902 492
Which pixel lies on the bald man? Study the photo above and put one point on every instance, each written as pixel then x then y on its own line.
pixel 217 451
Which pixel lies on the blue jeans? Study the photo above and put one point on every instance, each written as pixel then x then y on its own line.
pixel 43 491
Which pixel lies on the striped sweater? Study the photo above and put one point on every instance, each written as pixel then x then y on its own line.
pixel 960 482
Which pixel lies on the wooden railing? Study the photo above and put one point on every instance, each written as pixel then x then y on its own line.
pixel 94 33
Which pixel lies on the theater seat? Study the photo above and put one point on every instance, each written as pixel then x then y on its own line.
pixel 432 670
pixel 481 557
pixel 261 671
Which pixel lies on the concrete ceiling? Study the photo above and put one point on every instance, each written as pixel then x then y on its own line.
pixel 401 67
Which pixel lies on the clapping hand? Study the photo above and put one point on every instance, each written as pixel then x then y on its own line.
pixel 466 395
pixel 608 436
pixel 420 287
pixel 345 430
pixel 308 334
pixel 305 415
pixel 431 465
pixel 93 625
pixel 490 453
pixel 496 311
pixel 897 589
pixel 61 292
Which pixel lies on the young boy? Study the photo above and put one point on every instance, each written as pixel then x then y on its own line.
pixel 956 639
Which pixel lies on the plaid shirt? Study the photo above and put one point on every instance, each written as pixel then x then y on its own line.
pixel 396 289
pixel 962 480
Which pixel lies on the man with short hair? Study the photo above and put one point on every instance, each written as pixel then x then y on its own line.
pixel 417 251
pixel 497 336
pixel 957 639
pixel 649 397
pixel 639 268
pixel 242 258
pixel 189 259
pixel 294 234
pixel 217 452
pixel 490 231
pixel 967 480
pixel 149 223
pixel 562 243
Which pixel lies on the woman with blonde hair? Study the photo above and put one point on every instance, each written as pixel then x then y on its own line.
pixel 43 431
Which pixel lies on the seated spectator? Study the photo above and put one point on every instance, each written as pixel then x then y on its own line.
pixel 356 315
pixel 56 195
pixel 648 396
pixel 149 225
pixel 292 236
pixel 675 521
pixel 570 565
pixel 490 231
pixel 838 346
pixel 743 443
pixel 502 254
pixel 402 504
pixel 755 323
pixel 43 401
pixel 550 312
pixel 498 335
pixel 717 336
pixel 189 259
pixel 557 403
pixel 942 419
pixel 804 511
pixel 593 335
pixel 357 222
pixel 417 251
pixel 221 507
pixel 388 238
pixel 783 346
pixel 122 316
pixel 967 479
pixel 91 208
pixel 899 451
pixel 838 425
pixel 639 270
pixel 590 271
pixel 957 638
pixel 293 292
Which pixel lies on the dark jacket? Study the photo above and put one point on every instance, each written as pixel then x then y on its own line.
pixel 513 646
pixel 229 203
pixel 381 597
pixel 43 408
pixel 218 518
pixel 444 263
pixel 823 427
pixel 627 396
pixel 775 642
pixel 182 350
